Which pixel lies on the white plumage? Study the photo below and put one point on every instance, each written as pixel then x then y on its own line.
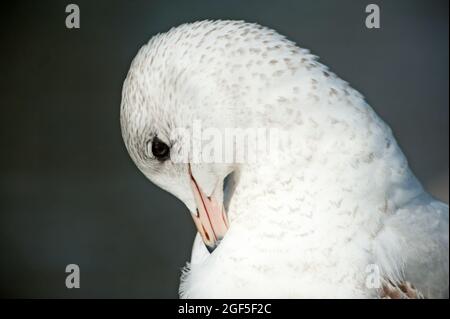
pixel 339 204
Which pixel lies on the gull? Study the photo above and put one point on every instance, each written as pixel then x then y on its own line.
pixel 335 213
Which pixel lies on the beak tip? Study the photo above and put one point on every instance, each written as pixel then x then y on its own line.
pixel 210 249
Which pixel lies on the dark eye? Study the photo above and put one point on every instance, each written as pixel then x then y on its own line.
pixel 160 149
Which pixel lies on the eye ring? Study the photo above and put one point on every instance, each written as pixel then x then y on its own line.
pixel 160 150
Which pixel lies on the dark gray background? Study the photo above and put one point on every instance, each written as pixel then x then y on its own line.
pixel 70 193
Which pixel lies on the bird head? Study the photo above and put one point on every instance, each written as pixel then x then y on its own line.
pixel 199 79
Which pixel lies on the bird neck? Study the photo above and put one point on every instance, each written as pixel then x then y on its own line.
pixel 336 174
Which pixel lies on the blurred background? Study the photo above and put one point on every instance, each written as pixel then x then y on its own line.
pixel 69 191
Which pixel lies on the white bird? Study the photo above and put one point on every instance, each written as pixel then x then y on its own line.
pixel 338 214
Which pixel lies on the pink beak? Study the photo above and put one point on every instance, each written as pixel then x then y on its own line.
pixel 211 219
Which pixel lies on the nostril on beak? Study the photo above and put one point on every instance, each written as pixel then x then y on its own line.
pixel 206 233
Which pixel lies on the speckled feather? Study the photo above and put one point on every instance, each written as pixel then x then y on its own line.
pixel 340 196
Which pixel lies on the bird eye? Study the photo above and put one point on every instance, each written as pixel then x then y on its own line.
pixel 160 149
